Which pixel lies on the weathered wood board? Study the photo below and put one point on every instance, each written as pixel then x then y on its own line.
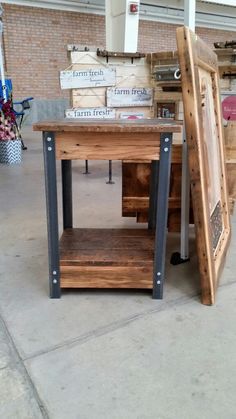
pixel 86 58
pixel 132 115
pixel 120 97
pixel 203 120
pixel 87 77
pixel 85 113
pixel 86 98
pixel 148 112
pixel 114 258
pixel 131 72
pixel 135 192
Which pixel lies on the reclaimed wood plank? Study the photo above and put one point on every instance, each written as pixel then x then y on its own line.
pixel 126 96
pixel 135 190
pixel 90 113
pixel 105 152
pixel 140 204
pixel 203 121
pixel 110 257
pixel 96 125
pixel 106 277
pixel 142 112
pixel 104 239
pixel 162 56
pixel 115 146
pixel 87 77
pixel 106 258
pixel 86 58
pixel 106 139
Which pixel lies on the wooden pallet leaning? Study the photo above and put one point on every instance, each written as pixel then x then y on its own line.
pixel 204 133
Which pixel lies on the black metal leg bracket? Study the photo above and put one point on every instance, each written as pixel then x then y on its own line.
pixel 163 183
pixel 110 181
pixel 87 172
pixel 52 213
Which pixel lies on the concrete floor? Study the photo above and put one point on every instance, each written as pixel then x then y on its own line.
pixel 105 354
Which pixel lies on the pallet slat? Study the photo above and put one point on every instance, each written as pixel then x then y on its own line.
pixel 106 258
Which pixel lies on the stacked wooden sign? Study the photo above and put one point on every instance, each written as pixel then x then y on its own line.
pixel 120 85
pixel 108 85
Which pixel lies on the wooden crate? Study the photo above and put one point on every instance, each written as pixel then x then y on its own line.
pixel 135 190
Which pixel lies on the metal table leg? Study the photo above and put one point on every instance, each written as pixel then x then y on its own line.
pixel 183 255
pixel 153 194
pixel 67 194
pixel 162 213
pixel 110 181
pixel 185 202
pixel 86 168
pixel 52 213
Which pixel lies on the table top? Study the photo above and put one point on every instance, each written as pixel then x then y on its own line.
pixel 109 125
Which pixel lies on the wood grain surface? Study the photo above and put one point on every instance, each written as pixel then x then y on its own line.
pixel 136 188
pixel 107 146
pixel 106 258
pixel 96 125
pixel 198 65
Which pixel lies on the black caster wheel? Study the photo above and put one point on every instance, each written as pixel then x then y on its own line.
pixel 177 260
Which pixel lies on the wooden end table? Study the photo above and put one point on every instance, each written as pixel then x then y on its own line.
pixel 107 258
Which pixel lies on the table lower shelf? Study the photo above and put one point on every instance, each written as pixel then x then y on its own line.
pixel 107 258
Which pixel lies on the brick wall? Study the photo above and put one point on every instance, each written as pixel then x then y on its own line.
pixel 35 44
pixel 156 36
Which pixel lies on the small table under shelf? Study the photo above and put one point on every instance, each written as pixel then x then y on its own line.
pixel 107 258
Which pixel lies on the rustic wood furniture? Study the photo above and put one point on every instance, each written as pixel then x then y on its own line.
pixel 203 121
pixel 107 258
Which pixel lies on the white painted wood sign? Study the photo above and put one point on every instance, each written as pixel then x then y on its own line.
pixel 121 97
pixel 132 115
pixel 90 77
pixel 90 113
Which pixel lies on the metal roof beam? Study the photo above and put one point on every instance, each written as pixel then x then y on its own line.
pixel 209 14
pixel 222 2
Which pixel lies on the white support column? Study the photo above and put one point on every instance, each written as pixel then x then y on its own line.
pixel 121 26
pixel 190 13
pixel 4 93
